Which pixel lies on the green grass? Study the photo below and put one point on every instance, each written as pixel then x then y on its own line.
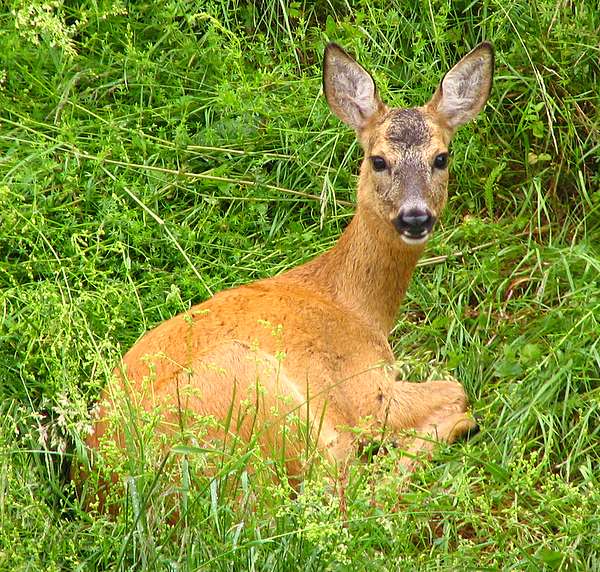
pixel 155 153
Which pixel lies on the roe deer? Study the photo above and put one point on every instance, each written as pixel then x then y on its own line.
pixel 313 341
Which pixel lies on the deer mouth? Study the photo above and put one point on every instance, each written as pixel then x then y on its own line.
pixel 414 224
pixel 415 239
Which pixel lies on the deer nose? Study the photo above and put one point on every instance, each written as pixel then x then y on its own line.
pixel 414 222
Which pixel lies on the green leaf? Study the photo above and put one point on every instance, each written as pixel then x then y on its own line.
pixel 330 26
pixel 508 368
pixel 530 353
pixel 551 557
pixel 538 129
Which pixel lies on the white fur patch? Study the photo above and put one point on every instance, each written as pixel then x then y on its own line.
pixel 415 241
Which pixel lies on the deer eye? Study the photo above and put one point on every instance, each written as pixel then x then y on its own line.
pixel 378 163
pixel 441 161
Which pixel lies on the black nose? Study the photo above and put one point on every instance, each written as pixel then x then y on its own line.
pixel 414 222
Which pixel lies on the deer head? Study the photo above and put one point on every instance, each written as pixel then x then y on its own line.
pixel 404 175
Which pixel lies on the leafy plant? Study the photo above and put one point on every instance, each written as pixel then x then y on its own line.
pixel 154 153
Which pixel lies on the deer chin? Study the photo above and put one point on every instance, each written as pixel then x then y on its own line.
pixel 415 240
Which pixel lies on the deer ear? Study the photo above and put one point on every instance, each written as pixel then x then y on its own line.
pixel 466 87
pixel 349 89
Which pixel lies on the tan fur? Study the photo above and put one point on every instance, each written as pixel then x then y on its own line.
pixel 312 342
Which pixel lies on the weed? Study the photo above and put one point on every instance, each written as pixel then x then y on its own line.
pixel 155 153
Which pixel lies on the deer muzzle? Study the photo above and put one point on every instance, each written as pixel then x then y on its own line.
pixel 414 224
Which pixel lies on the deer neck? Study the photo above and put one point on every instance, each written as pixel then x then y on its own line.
pixel 367 271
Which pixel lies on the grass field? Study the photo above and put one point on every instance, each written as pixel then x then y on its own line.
pixel 153 153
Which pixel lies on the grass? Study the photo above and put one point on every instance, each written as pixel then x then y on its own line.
pixel 154 153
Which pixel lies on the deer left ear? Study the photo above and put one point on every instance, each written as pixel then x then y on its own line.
pixel 465 88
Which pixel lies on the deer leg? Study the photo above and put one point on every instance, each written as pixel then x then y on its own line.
pixel 416 448
pixel 436 411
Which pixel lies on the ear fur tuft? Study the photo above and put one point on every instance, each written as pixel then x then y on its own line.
pixel 466 87
pixel 349 89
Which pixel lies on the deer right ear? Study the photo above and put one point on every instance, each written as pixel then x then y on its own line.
pixel 349 89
